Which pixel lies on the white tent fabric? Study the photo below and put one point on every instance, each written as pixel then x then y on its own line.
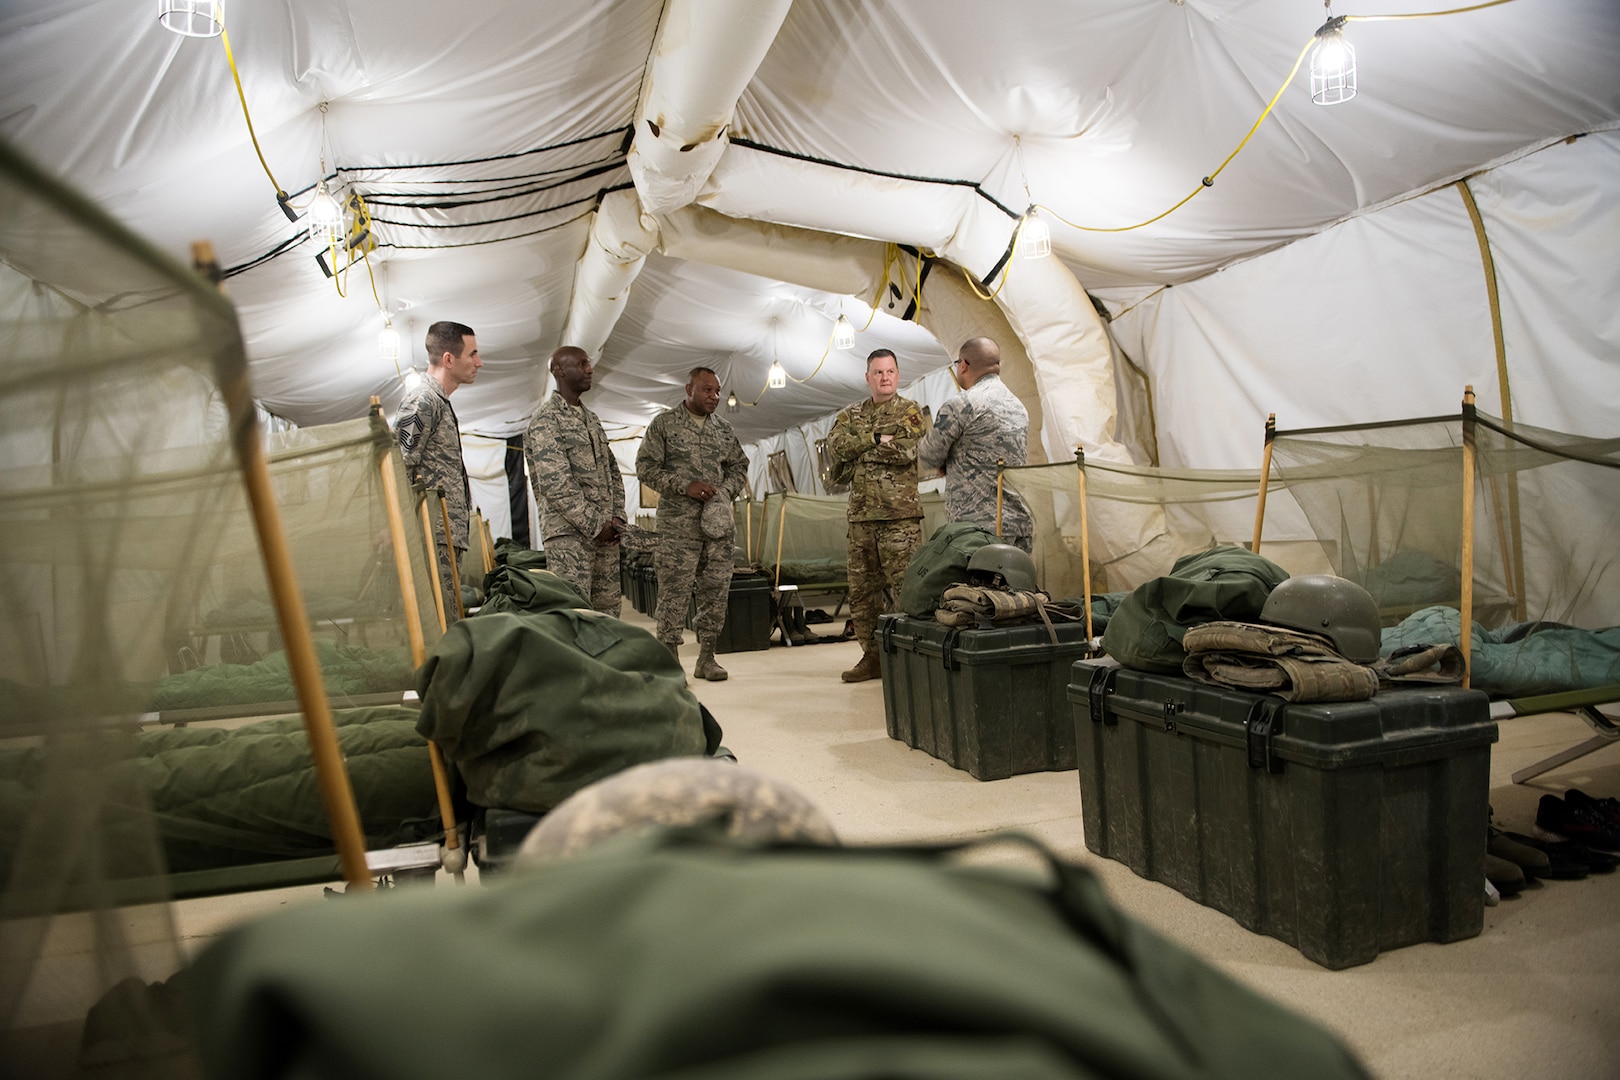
pixel 1329 274
pixel 1233 356
pixel 486 477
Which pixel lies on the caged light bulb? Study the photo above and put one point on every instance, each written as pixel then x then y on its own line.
pixel 1333 65
pixel 325 216
pixel 193 18
pixel 413 379
pixel 843 334
pixel 388 343
pixel 777 377
pixel 1034 238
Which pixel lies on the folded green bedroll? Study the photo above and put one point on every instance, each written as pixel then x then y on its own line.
pixel 235 797
pixel 680 954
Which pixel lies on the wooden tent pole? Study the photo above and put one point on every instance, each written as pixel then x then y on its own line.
pixel 433 564
pixel 489 546
pixel 1001 463
pixel 1465 630
pixel 1085 536
pixel 450 554
pixel 331 775
pixel 1265 482
pixel 781 528
pixel 413 631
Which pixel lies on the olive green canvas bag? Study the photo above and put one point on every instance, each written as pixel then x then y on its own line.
pixel 939 564
pixel 1220 584
pixel 532 706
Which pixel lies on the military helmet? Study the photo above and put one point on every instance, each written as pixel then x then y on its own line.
pixel 1333 607
pixel 744 804
pixel 1013 565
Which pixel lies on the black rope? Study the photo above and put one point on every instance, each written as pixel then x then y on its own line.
pixel 991 199
pixel 391 198
pixel 280 249
pixel 493 240
pixel 616 132
pixel 520 177
pixel 591 198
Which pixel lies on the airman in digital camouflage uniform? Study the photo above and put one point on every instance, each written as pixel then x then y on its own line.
pixel 982 424
pixel 577 486
pixel 874 449
pixel 692 458
pixel 430 438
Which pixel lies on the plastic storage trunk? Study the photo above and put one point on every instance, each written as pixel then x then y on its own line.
pixel 748 615
pixel 991 701
pixel 1342 829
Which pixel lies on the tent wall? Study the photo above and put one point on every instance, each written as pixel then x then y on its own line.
pixel 1386 315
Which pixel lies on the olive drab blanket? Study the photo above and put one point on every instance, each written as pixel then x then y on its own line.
pixel 681 954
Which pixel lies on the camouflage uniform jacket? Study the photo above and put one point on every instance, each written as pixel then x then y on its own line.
pixel 975 428
pixel 430 441
pixel 882 476
pixel 676 451
pixel 575 478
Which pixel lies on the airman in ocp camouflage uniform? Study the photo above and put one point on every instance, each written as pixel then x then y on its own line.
pixel 430 439
pixel 692 458
pixel 873 446
pixel 577 486
pixel 981 425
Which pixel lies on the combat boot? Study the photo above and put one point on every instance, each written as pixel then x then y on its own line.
pixel 867 668
pixel 802 634
pixel 706 668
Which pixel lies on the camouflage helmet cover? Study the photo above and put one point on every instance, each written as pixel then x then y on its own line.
pixel 679 791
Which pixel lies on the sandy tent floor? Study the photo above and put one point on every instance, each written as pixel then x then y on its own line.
pixel 1537 994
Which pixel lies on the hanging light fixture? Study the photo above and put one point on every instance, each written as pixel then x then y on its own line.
pixel 777 377
pixel 843 334
pixel 413 379
pixel 325 215
pixel 193 18
pixel 1333 63
pixel 1034 238
pixel 388 341
pixel 731 401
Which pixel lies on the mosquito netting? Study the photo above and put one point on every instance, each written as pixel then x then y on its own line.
pixel 1139 519
pixel 805 538
pixel 1534 544
pixel 127 558
pixel 339 487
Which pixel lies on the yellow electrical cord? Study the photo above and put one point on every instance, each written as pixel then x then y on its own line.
pixel 338 276
pixel 1425 14
pixel 230 58
pixel 1209 181
pixel 1006 267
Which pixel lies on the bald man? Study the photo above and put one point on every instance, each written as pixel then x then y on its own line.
pixel 983 424
pixel 577 486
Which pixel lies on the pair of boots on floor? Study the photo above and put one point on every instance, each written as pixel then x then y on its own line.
pixel 706 667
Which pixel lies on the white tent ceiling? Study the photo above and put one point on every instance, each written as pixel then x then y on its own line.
pixel 483 134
